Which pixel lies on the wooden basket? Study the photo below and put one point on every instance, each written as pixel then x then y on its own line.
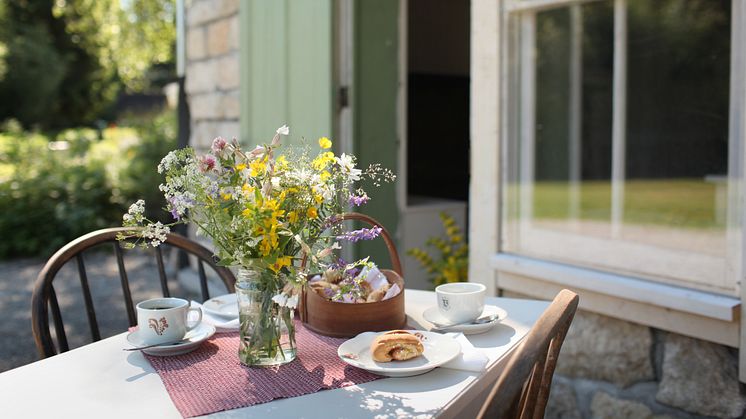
pixel 335 319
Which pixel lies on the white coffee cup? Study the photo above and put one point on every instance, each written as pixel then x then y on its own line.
pixel 461 302
pixel 162 320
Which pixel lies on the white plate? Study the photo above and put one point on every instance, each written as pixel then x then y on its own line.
pixel 433 316
pixel 223 306
pixel 439 349
pixel 193 338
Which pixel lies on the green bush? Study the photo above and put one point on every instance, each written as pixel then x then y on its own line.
pixel 54 189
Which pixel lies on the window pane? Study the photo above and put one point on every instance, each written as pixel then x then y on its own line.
pixel 668 221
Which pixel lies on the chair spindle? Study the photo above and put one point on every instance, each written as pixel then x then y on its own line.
pixel 203 281
pixel 59 327
pixel 125 286
pixel 162 271
pixel 89 309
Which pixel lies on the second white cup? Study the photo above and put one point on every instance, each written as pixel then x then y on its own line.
pixel 162 320
pixel 461 302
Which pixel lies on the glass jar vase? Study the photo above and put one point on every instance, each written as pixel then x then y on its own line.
pixel 267 331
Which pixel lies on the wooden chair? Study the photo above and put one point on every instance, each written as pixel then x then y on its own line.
pixel 44 296
pixel 522 390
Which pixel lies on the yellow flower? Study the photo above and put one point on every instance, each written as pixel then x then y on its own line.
pixel 318 198
pixel 325 175
pixel 257 167
pixel 321 161
pixel 270 223
pixel 247 190
pixel 240 167
pixel 280 262
pixel 325 143
pixel 247 212
pixel 281 163
pixel 269 241
pixel 292 216
pixel 264 247
pixel 312 213
pixel 226 196
pixel 270 204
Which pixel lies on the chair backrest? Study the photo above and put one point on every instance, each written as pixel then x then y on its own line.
pixel 522 390
pixel 45 298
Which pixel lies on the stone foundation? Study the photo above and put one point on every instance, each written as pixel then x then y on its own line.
pixel 212 73
pixel 612 369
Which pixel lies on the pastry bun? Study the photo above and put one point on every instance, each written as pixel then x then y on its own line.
pixel 396 345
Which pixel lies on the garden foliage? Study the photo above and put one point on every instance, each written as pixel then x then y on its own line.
pixel 452 262
pixel 56 188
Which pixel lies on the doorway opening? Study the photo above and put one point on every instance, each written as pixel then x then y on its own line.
pixel 437 80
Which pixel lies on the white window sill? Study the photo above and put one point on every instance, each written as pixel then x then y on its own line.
pixel 691 312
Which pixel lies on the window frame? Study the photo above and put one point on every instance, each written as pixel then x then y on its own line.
pixel 700 314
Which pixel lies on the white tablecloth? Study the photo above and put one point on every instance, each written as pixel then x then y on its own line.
pixel 101 380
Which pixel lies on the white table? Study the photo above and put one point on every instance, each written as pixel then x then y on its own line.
pixel 101 380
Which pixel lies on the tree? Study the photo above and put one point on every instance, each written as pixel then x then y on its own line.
pixel 66 60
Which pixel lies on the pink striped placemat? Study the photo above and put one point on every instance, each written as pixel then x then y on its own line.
pixel 212 379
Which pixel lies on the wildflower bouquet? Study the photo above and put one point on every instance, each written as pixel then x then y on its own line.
pixel 264 209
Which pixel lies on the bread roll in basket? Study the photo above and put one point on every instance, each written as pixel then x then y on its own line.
pixel 336 319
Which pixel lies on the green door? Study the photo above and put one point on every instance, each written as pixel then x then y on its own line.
pixel 286 69
pixel 376 81
pixel 287 77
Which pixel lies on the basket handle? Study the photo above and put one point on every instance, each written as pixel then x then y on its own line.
pixel 390 246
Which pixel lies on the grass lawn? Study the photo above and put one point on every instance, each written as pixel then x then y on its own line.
pixel 688 203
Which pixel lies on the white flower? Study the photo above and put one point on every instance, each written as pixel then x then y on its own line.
pixel 167 162
pixel 135 213
pixel 292 302
pixel 347 165
pixel 283 130
pixel 281 299
pixel 156 233
pixel 137 208
pixel 257 151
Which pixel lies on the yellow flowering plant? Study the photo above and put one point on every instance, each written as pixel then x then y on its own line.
pixel 452 265
pixel 262 208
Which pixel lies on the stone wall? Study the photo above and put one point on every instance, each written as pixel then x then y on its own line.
pixel 612 369
pixel 212 74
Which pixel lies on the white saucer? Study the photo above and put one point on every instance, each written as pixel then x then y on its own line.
pixel 439 349
pixel 223 306
pixel 193 338
pixel 433 316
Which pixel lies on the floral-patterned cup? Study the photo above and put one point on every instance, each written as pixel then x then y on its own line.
pixel 163 320
pixel 460 302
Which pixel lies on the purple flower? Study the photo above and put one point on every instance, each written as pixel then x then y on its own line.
pixel 179 204
pixel 362 234
pixel 218 145
pixel 206 163
pixel 358 200
pixel 339 264
pixel 212 189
